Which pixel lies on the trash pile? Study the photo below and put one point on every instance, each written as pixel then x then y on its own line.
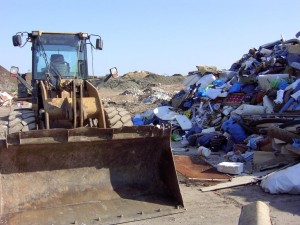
pixel 154 94
pixel 132 91
pixel 149 95
pixel 251 108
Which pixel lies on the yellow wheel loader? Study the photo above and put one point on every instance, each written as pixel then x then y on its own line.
pixel 69 160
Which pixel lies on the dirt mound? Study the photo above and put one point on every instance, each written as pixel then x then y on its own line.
pixel 7 83
pixel 165 80
pixel 138 81
pixel 136 74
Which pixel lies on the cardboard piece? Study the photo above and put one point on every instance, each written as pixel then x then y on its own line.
pixel 261 157
pixel 294 49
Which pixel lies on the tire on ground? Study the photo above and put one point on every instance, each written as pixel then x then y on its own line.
pixel 21 120
pixel 117 117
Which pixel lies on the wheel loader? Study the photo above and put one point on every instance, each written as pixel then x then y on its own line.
pixel 69 160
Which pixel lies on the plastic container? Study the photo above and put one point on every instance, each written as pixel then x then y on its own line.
pixel 265 80
pixel 230 167
pixel 203 151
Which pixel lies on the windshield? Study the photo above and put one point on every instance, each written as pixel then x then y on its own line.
pixel 59 55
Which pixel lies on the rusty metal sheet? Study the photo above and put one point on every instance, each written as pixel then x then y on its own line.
pixel 194 168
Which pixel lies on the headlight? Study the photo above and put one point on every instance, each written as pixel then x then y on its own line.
pixel 36 33
pixel 83 35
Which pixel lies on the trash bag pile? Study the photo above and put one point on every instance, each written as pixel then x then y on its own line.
pixel 252 106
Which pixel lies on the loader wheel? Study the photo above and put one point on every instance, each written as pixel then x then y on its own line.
pixel 21 120
pixel 117 117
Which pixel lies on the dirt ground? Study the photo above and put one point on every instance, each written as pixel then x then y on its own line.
pixel 215 207
pixel 224 207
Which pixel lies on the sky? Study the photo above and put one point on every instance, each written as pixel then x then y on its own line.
pixel 161 36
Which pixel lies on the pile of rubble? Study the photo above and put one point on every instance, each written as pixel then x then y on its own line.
pixel 154 94
pixel 136 80
pixel 244 113
pixel 132 91
pixel 7 83
pixel 5 99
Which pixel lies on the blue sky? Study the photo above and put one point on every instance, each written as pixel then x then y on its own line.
pixel 161 36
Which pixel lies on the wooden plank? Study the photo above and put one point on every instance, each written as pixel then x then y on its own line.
pixel 260 157
pixel 237 181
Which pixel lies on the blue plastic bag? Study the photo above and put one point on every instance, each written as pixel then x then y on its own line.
pixel 218 83
pixel 236 131
pixel 137 121
pixel 236 87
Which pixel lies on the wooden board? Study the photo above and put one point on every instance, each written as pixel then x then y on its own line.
pixel 237 181
pixel 194 168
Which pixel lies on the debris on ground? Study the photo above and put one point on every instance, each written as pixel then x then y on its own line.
pixel 196 169
pixel 243 120
pixel 7 83
pixel 252 107
pixel 283 181
pixel 5 99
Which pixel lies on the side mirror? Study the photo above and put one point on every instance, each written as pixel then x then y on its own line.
pixel 17 40
pixel 114 72
pixel 99 44
pixel 14 71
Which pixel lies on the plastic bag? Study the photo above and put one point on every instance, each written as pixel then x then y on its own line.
pixel 249 109
pixel 284 181
pixel 237 132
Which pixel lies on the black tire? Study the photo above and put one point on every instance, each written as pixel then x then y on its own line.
pixel 117 117
pixel 21 120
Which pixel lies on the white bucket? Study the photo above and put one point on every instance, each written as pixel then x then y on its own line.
pixel 204 151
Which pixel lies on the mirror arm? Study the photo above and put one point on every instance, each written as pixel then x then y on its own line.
pixel 107 78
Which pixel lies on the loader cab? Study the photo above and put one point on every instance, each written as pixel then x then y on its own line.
pixel 57 57
pixel 61 55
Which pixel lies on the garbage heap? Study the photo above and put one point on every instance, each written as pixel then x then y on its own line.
pixel 253 106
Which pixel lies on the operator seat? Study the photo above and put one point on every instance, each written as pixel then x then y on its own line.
pixel 59 66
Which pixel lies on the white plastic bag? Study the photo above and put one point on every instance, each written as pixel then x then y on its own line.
pixel 249 109
pixel 284 181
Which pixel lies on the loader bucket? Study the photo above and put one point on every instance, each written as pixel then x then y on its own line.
pixel 87 176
